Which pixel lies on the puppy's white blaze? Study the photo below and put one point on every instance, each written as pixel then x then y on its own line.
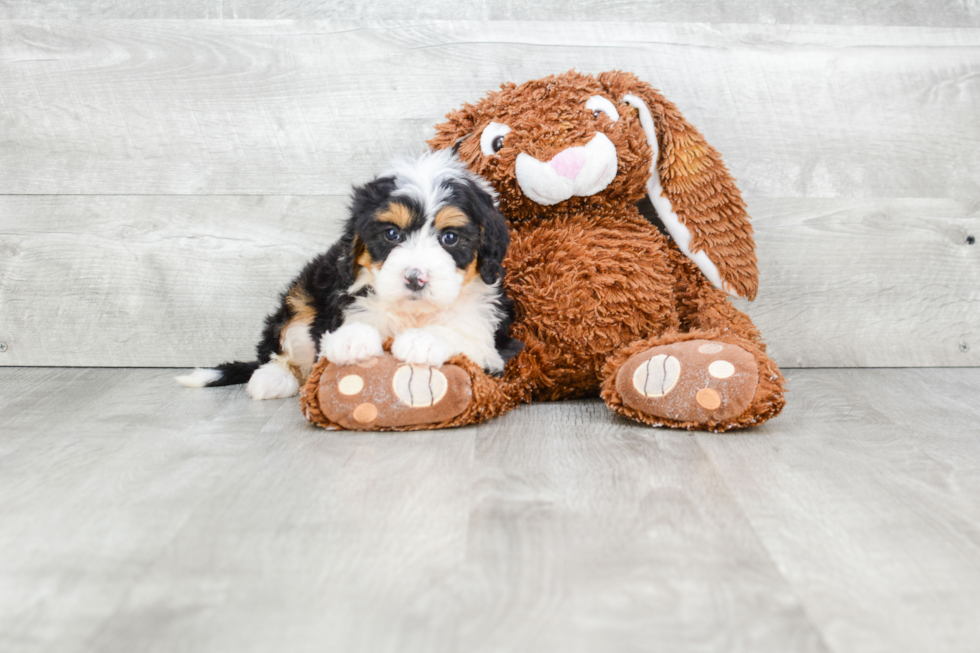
pixel 272 381
pixel 425 178
pixel 542 183
pixel 420 251
pixel 665 210
pixel 198 378
pixel 351 343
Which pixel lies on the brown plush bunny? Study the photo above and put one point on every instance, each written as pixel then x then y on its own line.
pixel 607 301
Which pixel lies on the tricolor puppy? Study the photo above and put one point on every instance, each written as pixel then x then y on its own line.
pixel 420 261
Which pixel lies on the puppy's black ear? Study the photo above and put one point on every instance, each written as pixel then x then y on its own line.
pixel 366 200
pixel 365 203
pixel 494 237
pixel 348 250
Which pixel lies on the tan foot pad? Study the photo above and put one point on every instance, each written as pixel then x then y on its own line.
pixel 387 393
pixel 692 381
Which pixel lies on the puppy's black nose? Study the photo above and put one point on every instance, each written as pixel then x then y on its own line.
pixel 415 280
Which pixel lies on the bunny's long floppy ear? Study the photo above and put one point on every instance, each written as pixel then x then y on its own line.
pixel 692 190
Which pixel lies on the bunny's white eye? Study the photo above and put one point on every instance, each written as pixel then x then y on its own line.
pixel 492 139
pixel 599 104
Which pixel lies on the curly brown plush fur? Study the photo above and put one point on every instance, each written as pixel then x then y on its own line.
pixel 593 282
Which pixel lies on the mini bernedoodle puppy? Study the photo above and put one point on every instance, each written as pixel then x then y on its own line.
pixel 420 261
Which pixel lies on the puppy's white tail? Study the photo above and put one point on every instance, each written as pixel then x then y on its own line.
pixel 224 374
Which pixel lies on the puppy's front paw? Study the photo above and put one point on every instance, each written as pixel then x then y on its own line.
pixel 351 343
pixel 421 348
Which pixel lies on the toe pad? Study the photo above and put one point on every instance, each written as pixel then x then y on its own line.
pixel 691 381
pixel 384 393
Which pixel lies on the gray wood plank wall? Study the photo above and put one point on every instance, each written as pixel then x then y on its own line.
pixel 934 13
pixel 161 178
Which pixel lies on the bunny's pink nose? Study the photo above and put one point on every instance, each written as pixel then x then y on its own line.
pixel 569 162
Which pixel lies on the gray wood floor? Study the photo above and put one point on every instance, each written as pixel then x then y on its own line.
pixel 136 515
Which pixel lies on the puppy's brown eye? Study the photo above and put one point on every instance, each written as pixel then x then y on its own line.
pixel 498 144
pixel 595 114
pixel 449 239
pixel 392 234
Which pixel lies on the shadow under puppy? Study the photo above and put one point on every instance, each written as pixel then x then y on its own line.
pixel 420 261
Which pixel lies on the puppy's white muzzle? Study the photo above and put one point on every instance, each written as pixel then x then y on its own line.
pixel 419 269
pixel 580 171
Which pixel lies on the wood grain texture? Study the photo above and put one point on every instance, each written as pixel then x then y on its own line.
pixel 204 521
pixel 122 486
pixel 184 281
pixel 868 283
pixel 165 178
pixel 147 280
pixel 304 107
pixel 138 515
pixel 867 494
pixel 828 12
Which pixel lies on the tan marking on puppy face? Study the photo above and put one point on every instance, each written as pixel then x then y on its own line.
pixel 365 262
pixel 396 214
pixel 451 217
pixel 357 252
pixel 471 272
